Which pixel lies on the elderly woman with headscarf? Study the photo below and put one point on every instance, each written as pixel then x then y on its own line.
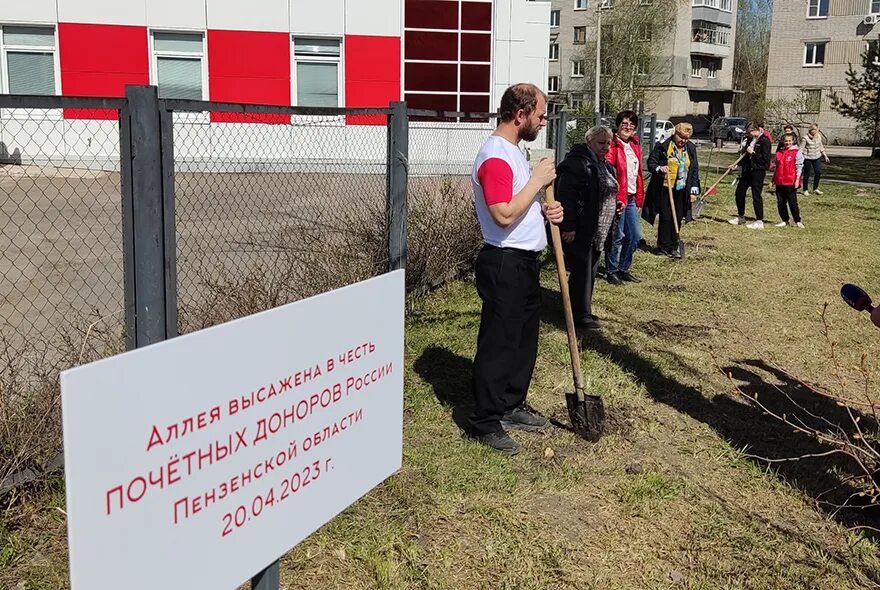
pixel 587 188
pixel 672 163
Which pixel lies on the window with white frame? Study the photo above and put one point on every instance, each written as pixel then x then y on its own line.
pixel 875 6
pixel 554 18
pixel 712 69
pixel 28 60
pixel 814 53
pixel 817 8
pixel 553 84
pixel 640 67
pixel 872 52
pixel 178 65
pixel 580 35
pixel 317 71
pixel 812 100
pixel 577 102
pixel 577 69
pixel 696 68
pixel 580 4
pixel 554 52
pixel 719 4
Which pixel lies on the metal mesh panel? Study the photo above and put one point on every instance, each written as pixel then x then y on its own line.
pixel 60 223
pixel 443 232
pixel 274 208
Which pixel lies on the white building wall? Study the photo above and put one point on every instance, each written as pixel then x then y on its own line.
pixel 522 31
pixel 306 19
pixel 373 17
pixel 249 15
pixel 100 12
pixel 177 14
pixel 32 11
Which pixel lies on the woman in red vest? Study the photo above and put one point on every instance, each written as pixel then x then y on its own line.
pixel 787 166
pixel 625 156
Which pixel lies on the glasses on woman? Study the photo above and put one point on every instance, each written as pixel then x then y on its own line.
pixel 627 124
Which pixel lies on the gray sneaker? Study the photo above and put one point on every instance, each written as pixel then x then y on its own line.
pixel 522 419
pixel 499 441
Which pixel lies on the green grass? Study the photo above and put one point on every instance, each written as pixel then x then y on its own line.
pixel 665 499
pixel 848 168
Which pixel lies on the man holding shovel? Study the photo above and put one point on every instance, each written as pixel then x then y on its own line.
pixel 511 216
pixel 674 185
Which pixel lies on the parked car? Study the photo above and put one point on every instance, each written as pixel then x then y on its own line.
pixel 662 130
pixel 727 129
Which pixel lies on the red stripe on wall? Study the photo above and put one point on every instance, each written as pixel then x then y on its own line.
pixel 101 60
pixel 249 67
pixel 372 75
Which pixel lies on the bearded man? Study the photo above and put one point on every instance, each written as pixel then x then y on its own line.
pixel 511 216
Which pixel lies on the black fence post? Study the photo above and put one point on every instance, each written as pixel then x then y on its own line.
pixel 268 579
pixel 147 219
pixel 396 183
pixel 652 131
pixel 561 136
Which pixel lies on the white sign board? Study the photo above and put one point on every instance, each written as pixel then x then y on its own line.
pixel 196 462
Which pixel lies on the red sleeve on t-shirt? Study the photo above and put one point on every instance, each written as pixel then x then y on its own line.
pixel 496 178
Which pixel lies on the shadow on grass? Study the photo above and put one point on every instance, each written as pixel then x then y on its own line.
pixel 852 168
pixel 744 425
pixel 450 377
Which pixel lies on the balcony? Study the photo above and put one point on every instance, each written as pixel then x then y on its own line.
pixel 711 41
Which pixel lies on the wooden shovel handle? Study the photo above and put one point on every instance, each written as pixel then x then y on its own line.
pixel 556 238
pixel 668 184
pixel 720 178
pixel 674 212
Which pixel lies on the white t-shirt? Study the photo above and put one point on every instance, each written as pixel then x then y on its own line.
pixel 501 171
pixel 632 168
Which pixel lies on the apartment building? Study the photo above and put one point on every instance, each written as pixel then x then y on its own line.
pixel 694 71
pixel 812 43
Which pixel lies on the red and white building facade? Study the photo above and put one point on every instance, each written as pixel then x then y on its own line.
pixel 455 55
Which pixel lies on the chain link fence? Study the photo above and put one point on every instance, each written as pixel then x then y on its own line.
pixel 61 264
pixel 272 211
pixel 60 227
pixel 257 207
pixel 444 235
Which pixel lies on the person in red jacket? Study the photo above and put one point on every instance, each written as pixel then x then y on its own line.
pixel 787 166
pixel 625 156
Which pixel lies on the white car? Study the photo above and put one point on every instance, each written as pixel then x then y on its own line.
pixel 662 131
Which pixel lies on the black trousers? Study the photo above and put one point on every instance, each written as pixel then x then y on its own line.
pixel 812 168
pixel 582 263
pixel 507 344
pixel 751 179
pixel 667 238
pixel 786 197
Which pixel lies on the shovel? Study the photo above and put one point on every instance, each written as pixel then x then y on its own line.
pixel 587 412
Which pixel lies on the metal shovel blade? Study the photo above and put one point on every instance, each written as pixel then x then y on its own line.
pixel 587 416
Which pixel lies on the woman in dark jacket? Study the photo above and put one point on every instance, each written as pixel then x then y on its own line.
pixel 587 189
pixel 755 152
pixel 676 160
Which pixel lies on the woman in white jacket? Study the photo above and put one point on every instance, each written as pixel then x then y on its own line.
pixel 814 151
